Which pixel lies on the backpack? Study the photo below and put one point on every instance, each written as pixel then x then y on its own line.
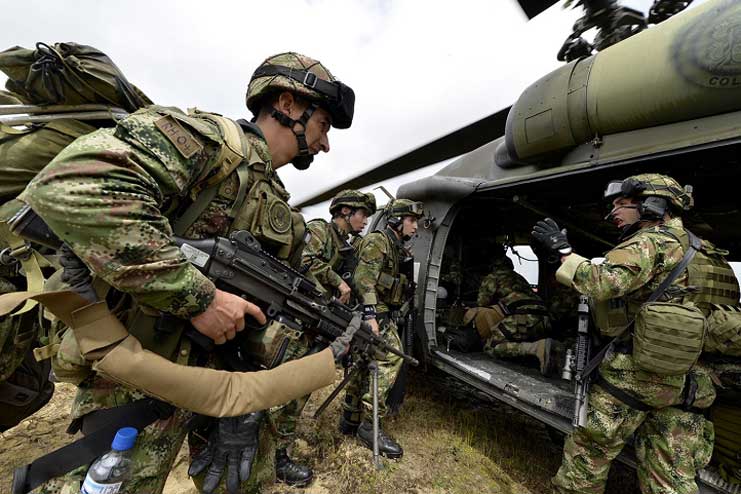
pixel 87 92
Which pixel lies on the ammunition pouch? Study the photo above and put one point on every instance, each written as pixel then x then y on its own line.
pixel 393 289
pixel 724 330
pixel 668 338
pixel 610 316
pixel 268 217
pixel 266 346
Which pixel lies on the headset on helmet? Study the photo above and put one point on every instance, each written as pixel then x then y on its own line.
pixel 398 208
pixel 656 194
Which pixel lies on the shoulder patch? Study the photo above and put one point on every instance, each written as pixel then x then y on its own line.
pixel 185 142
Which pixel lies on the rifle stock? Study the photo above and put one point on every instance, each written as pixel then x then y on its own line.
pixel 583 345
pixel 239 265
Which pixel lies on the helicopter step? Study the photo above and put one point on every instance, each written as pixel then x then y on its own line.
pixel 546 399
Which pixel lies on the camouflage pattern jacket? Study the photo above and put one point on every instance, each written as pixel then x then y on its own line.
pixel 323 254
pixel 378 278
pixel 631 272
pixel 115 194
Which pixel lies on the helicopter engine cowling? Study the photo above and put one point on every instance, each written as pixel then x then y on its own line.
pixel 687 67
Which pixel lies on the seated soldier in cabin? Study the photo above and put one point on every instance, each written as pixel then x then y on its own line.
pixel 511 320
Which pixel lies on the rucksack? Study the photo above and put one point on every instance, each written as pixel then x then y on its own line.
pixel 87 91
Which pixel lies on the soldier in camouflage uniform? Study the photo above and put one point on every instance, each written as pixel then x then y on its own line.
pixel 324 256
pixel 116 196
pixel 382 278
pixel 665 412
pixel 521 321
pixel 328 256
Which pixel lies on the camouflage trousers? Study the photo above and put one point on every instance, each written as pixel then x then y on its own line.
pixel 358 395
pixel 670 445
pixel 512 336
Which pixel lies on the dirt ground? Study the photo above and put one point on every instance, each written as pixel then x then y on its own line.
pixel 452 445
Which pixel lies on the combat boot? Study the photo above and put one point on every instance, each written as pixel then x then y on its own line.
pixel 386 446
pixel 291 473
pixel 542 349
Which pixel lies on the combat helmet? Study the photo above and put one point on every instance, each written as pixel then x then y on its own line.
pixel 398 208
pixel 306 77
pixel 353 199
pixel 657 194
pixel 309 79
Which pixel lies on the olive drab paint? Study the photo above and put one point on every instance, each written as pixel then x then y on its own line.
pixel 684 68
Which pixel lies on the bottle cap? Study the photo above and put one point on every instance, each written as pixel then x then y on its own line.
pixel 125 439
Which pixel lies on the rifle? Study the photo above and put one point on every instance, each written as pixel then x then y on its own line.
pixel 583 347
pixel 409 316
pixel 240 266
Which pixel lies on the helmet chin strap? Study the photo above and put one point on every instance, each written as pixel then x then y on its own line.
pixel 304 158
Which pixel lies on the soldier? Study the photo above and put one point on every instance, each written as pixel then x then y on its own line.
pixel 329 256
pixel 665 411
pixel 382 278
pixel 117 195
pixel 511 320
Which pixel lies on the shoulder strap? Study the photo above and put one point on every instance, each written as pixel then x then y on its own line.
pixel 694 246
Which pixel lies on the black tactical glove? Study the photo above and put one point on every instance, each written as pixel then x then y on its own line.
pixel 341 345
pixel 76 274
pixel 231 444
pixel 551 238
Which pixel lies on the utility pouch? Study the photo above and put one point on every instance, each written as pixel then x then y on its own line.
pixel 398 290
pixel 668 338
pixel 610 316
pixel 271 220
pixel 726 417
pixel 386 282
pixel 158 333
pixel 724 330
pixel 266 346
pixel 484 319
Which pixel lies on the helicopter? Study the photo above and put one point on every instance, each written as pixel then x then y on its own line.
pixel 663 98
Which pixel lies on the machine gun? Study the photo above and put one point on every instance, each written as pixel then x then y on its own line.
pixel 583 347
pixel 239 265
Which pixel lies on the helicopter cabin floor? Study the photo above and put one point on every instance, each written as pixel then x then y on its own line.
pixel 549 400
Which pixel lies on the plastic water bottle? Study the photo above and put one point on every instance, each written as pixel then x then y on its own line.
pixel 110 471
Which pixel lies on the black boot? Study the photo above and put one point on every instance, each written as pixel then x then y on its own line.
pixel 386 446
pixel 348 427
pixel 289 472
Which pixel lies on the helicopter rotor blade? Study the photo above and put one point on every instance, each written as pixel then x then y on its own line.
pixel 454 144
pixel 535 7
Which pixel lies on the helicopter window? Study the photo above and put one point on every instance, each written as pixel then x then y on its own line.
pixel 525 262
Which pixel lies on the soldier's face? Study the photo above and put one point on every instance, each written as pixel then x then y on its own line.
pixel 409 226
pixel 624 212
pixel 316 131
pixel 358 220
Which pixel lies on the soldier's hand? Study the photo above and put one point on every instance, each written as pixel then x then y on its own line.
pixel 344 290
pixel 224 317
pixel 374 326
pixel 548 234
pixel 232 446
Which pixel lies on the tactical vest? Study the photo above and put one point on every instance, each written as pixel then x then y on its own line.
pixel 710 280
pixel 392 284
pixel 338 253
pixel 234 173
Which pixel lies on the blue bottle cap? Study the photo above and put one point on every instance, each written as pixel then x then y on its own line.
pixel 125 439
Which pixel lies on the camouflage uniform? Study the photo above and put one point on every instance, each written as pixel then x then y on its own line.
pixel 671 444
pixel 111 195
pixel 322 254
pixel 380 255
pixel 506 287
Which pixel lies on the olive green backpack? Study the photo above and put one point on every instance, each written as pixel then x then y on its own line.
pixel 55 94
